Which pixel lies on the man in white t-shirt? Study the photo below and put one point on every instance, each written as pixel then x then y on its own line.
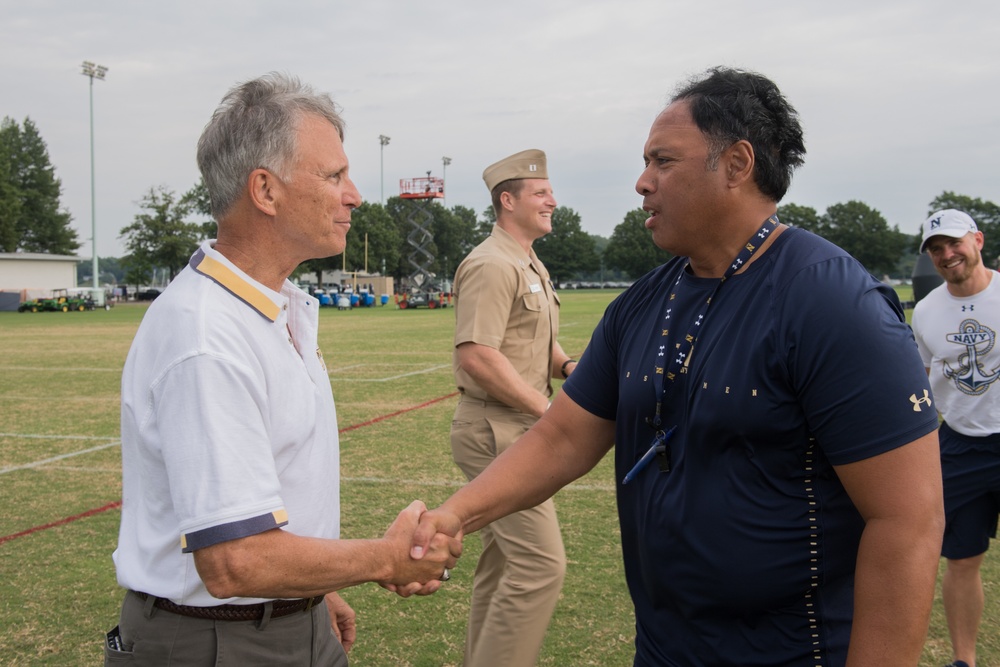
pixel 229 541
pixel 956 330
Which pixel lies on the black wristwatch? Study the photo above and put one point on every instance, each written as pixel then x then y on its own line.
pixel 565 364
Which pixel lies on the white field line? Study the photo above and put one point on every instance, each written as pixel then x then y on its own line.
pixel 457 484
pixel 395 377
pixel 60 369
pixel 72 399
pixel 36 436
pixel 364 480
pixel 331 371
pixel 61 457
pixel 344 368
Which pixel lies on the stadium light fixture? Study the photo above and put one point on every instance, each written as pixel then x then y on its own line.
pixel 445 161
pixel 383 142
pixel 93 71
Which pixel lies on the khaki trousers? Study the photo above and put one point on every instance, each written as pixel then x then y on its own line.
pixel 521 569
pixel 155 637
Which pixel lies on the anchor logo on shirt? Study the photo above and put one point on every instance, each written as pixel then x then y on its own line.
pixel 970 377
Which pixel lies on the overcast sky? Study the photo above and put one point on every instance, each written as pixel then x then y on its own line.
pixel 899 99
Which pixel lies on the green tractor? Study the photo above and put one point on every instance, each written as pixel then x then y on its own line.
pixel 61 300
pixel 77 302
pixel 32 306
pixel 66 302
pixel 43 304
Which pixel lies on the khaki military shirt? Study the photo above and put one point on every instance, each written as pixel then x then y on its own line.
pixel 505 300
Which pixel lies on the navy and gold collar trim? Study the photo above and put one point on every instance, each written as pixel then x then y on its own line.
pixel 229 280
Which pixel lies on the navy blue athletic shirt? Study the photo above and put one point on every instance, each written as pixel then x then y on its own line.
pixel 743 554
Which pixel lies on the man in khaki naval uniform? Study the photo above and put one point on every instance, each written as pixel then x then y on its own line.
pixel 506 352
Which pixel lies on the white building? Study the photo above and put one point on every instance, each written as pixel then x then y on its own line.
pixel 27 275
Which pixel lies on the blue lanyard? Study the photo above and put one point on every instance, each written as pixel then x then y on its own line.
pixel 678 363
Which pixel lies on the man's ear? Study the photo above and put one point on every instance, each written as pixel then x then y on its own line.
pixel 507 201
pixel 739 163
pixel 264 190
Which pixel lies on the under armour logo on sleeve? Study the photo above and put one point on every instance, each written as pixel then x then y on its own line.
pixel 926 400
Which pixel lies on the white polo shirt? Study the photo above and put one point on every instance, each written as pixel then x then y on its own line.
pixel 228 426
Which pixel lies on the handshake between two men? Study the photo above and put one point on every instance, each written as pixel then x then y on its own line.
pixel 419 570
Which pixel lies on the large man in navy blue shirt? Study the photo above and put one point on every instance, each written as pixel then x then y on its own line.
pixel 776 453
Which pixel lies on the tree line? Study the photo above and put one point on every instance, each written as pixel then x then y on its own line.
pixel 31 216
pixel 169 226
pixel 885 251
pixel 162 236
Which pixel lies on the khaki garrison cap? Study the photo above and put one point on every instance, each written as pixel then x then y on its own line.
pixel 526 164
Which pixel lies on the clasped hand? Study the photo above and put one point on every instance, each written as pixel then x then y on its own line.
pixel 418 571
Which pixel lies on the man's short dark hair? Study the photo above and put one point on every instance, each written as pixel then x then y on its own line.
pixel 729 105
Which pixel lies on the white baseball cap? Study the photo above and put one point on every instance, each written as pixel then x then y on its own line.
pixel 948 222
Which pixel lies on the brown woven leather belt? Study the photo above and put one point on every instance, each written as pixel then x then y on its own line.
pixel 236 612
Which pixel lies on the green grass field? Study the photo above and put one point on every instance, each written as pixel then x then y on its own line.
pixel 59 458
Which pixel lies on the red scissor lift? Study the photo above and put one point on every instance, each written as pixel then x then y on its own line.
pixel 425 187
pixel 421 292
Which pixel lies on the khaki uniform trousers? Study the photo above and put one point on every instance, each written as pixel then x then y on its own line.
pixel 521 569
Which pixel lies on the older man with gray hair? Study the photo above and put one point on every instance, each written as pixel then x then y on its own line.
pixel 230 526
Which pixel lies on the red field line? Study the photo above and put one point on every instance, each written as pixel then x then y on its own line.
pixel 116 504
pixel 399 412
pixel 61 522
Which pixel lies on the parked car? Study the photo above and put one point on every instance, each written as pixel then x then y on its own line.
pixel 147 294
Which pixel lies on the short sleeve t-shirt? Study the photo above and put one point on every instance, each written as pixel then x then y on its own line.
pixel 744 552
pixel 957 338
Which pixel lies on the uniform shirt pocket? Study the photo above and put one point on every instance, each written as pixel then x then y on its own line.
pixel 533 314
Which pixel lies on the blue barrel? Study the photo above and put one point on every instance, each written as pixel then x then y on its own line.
pixel 354 300
pixel 385 299
pixel 369 299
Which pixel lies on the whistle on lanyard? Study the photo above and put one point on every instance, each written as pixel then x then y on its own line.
pixel 659 447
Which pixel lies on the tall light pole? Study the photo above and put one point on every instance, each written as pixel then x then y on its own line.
pixel 93 71
pixel 383 142
pixel 445 161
